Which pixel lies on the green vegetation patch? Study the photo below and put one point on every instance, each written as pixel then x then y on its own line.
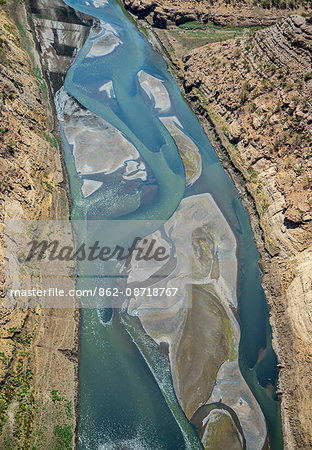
pixel 40 80
pixel 195 25
pixel 198 93
pixel 196 34
pixel 63 437
pixel 62 402
pixel 51 140
pixel 56 397
pixel 222 433
pixel 18 387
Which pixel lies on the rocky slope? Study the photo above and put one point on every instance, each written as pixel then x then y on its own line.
pixel 253 95
pixel 260 87
pixel 59 33
pixel 219 12
pixel 38 348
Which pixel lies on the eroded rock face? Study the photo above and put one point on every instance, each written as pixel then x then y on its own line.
pixel 257 93
pixel 32 187
pixel 218 12
pixel 39 348
pixel 261 87
pixel 141 7
pixel 60 33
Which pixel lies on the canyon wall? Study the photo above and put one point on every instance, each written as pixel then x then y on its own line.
pixel 230 12
pixel 38 347
pixel 256 92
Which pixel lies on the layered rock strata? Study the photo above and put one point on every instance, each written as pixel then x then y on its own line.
pixel 248 13
pixel 38 347
pixel 253 96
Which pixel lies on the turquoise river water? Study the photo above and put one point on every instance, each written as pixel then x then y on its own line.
pixel 121 404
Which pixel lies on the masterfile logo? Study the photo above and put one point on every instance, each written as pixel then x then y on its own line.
pixel 93 263
pixel 54 251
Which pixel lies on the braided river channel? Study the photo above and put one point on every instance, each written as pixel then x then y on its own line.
pixel 155 374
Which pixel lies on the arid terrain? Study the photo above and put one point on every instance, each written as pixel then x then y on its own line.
pixel 38 347
pixel 256 92
pixel 219 12
pixel 245 68
pixel 251 88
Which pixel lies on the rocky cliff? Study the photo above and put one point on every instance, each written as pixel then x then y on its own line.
pixel 256 91
pixel 253 96
pixel 59 33
pixel 38 347
pixel 229 12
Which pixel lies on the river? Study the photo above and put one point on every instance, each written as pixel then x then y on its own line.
pixel 124 401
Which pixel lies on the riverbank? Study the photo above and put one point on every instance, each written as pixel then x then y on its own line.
pixel 39 347
pixel 100 419
pixel 162 13
pixel 282 240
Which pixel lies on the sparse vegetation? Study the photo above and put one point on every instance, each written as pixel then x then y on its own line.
pixel 11 150
pixel 225 132
pixel 48 185
pixel 244 96
pixel 17 386
pixel 252 174
pixel 55 396
pixel 18 84
pixel 63 437
pixel 40 80
pixel 307 76
pixel 51 139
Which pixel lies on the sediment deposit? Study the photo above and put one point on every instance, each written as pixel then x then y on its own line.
pixel 253 94
pixel 198 323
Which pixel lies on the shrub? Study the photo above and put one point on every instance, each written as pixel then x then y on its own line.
pixel 63 435
pixel 243 97
pixel 11 150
